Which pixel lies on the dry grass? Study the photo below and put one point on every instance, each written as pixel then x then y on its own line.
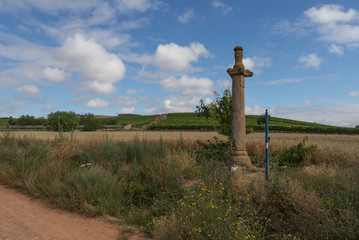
pixel 333 149
pixel 124 135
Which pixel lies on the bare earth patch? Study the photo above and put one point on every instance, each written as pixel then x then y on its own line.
pixel 23 218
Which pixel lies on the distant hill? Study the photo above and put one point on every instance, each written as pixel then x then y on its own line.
pixel 191 121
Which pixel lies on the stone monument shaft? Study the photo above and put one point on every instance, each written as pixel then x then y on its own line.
pixel 239 155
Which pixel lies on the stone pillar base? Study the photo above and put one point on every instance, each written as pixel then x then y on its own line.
pixel 240 159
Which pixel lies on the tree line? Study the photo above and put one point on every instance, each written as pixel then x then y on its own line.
pixel 59 121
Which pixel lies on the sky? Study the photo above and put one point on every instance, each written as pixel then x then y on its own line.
pixel 109 57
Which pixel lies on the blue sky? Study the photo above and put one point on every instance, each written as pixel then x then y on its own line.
pixel 156 56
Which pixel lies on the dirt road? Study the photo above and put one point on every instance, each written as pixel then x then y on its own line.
pixel 23 218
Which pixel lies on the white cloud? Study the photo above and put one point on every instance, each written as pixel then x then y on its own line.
pixel 345 115
pixel 336 49
pixel 208 101
pixel 224 84
pixel 126 101
pixel 285 27
pixel 52 7
pixel 188 86
pixel 331 13
pixel 256 110
pixel 283 81
pixel 127 110
pixel 353 94
pixel 134 5
pixel 179 104
pixel 174 57
pixel 150 110
pixel 310 60
pixel 98 69
pixel 252 63
pixel 338 115
pixel 307 101
pixel 132 91
pixel 102 13
pixel 221 6
pixel 30 90
pixel 97 103
pixel 79 100
pixel 47 109
pixel 186 16
pixel 10 108
pixel 55 74
pixel 18 49
pixel 334 24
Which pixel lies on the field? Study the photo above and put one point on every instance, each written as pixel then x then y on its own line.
pixel 185 121
pixel 136 120
pixel 170 186
pixel 3 122
pixel 331 142
pixel 191 121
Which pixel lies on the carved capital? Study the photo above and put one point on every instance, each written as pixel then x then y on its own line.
pixel 248 73
pixel 235 71
pixel 238 67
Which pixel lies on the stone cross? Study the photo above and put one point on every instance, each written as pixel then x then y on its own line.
pixel 239 155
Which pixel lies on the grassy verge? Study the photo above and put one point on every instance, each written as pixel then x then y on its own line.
pixel 174 190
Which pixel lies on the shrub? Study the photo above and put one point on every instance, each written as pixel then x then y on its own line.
pixel 220 110
pixel 90 122
pixel 62 121
pixel 218 150
pixel 25 120
pixel 207 212
pixel 93 190
pixel 294 156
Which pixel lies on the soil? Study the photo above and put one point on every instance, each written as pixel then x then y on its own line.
pixel 25 218
pixel 156 120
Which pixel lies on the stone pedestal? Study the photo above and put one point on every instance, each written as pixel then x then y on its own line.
pixel 239 155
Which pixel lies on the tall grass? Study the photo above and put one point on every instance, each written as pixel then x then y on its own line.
pixel 182 190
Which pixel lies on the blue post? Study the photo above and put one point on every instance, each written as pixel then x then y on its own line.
pixel 267 140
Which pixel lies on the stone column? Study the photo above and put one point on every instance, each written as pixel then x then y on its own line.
pixel 239 155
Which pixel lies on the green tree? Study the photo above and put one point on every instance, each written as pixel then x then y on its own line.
pixel 27 120
pixel 24 120
pixel 11 121
pixel 220 109
pixel 90 122
pixel 357 126
pixel 62 121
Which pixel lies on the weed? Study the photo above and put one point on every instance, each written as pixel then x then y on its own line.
pixel 293 156
pixel 206 213
pixel 218 150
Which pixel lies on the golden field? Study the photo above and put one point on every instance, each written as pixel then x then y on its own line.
pixel 342 146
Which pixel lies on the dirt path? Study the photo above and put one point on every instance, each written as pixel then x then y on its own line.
pixel 156 120
pixel 23 218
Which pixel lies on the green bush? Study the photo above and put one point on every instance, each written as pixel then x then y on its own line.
pixel 62 121
pixel 220 110
pixel 90 122
pixel 26 120
pixel 93 190
pixel 294 156
pixel 218 150
pixel 209 212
